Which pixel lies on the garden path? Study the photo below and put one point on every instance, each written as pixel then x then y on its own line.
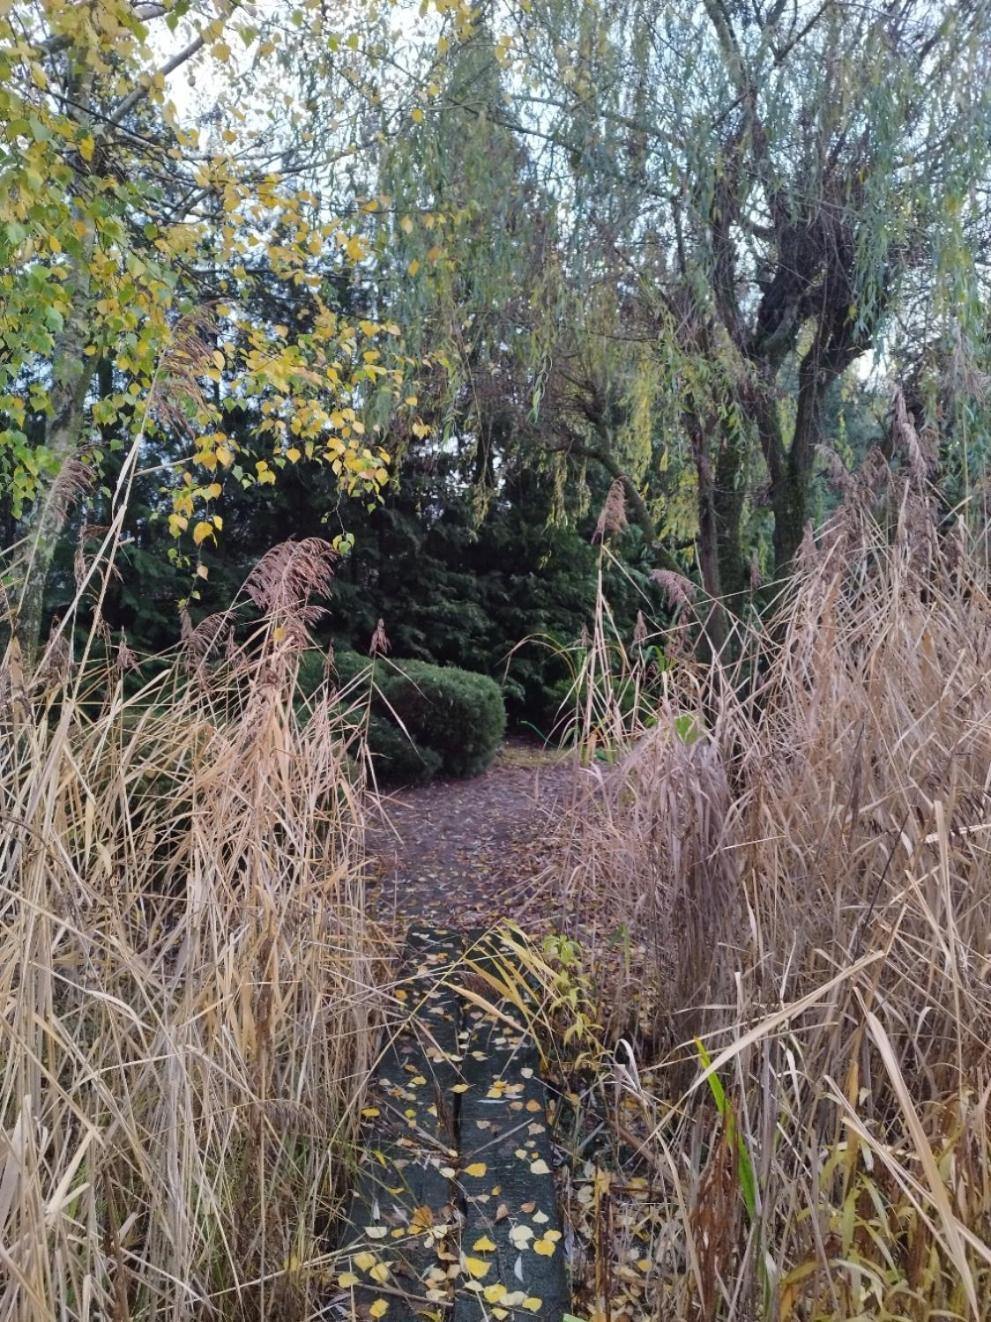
pixel 468 851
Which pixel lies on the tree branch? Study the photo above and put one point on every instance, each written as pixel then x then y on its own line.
pixel 144 87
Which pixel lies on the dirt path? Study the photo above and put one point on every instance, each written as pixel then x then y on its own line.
pixel 465 852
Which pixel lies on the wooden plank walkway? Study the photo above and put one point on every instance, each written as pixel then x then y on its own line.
pixel 454 1214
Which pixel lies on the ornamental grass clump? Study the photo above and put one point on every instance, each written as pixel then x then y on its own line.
pixel 790 849
pixel 185 970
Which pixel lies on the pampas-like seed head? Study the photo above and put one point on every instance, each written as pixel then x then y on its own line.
pixel 612 517
pixel 285 578
pixel 379 644
pixel 921 459
pixel 679 590
pixel 125 658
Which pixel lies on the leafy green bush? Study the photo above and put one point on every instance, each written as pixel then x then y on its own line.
pixel 424 720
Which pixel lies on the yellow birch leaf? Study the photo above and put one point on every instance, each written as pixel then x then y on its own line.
pixel 477 1268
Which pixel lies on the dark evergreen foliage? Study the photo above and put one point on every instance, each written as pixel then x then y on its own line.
pixel 423 720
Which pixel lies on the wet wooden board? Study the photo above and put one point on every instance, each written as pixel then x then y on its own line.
pixel 511 1222
pixel 455 1214
pixel 404 1221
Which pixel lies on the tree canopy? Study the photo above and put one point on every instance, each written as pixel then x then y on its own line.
pixel 470 268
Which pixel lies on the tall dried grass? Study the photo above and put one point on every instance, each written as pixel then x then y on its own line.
pixel 795 845
pixel 186 1017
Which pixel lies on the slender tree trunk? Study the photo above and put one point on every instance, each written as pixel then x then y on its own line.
pixel 728 496
pixel 716 628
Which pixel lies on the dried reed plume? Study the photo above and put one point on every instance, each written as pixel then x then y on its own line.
pixel 379 644
pixel 285 579
pixel 678 590
pixel 178 393
pixel 921 459
pixel 612 516
pixel 75 479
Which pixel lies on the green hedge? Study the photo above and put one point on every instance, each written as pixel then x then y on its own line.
pixel 425 720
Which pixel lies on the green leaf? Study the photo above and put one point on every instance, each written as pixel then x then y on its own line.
pixel 684 728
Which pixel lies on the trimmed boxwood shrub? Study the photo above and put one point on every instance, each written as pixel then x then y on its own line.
pixel 425 720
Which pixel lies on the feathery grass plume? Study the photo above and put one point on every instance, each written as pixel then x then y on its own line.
pixel 921 459
pixel 125 659
pixel 612 516
pixel 209 636
pixel 807 555
pixel 640 630
pixel 178 392
pixel 283 582
pixel 799 863
pixel 837 473
pixel 679 590
pixel 379 644
pixel 872 473
pixel 75 479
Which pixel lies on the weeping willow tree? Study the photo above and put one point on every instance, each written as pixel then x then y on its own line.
pixel 539 372
pixel 758 196
pixel 471 238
